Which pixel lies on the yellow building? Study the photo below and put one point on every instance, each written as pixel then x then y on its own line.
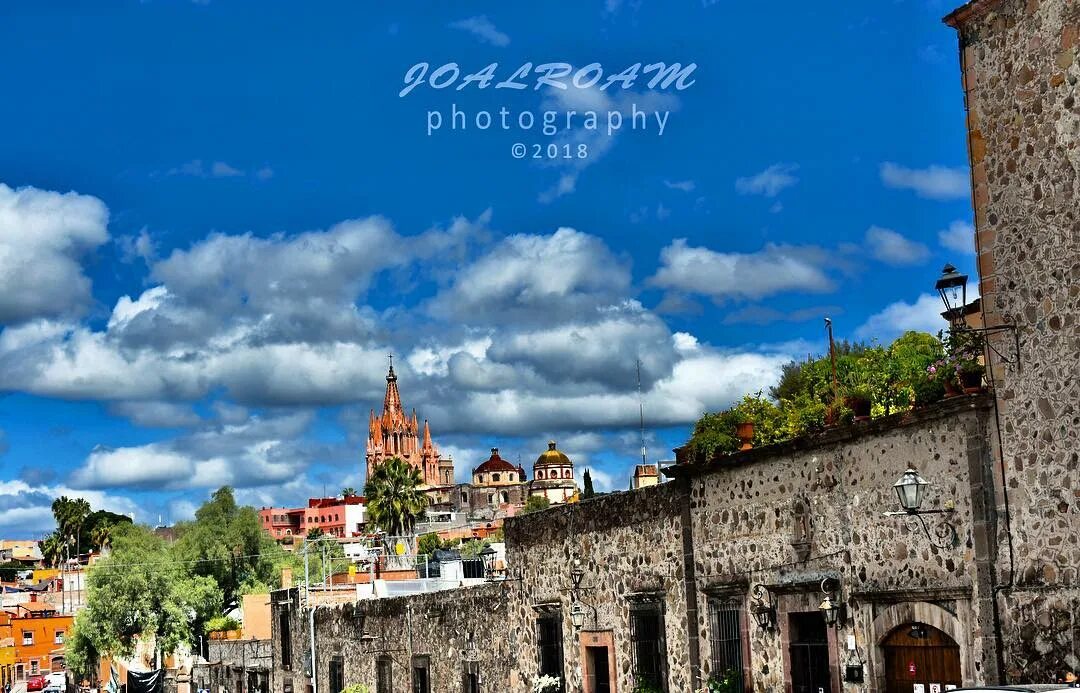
pixel 7 660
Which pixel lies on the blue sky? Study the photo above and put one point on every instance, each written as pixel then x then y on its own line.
pixel 216 218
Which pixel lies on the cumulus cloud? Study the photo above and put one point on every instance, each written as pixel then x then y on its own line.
pixel 257 452
pixel 530 278
pixel 893 248
pixel 769 182
pixel 933 182
pixel 482 28
pixel 772 270
pixel 25 509
pixel 960 236
pixel 923 315
pixel 43 237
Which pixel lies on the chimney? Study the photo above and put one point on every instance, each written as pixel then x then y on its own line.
pixel 33 597
pixel 286 578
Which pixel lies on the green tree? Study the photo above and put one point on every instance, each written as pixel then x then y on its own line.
pixel 70 515
pixel 429 543
pixel 226 542
pixel 52 549
pixel 587 487
pixel 9 570
pixel 394 499
pixel 534 504
pixel 141 591
pixel 348 491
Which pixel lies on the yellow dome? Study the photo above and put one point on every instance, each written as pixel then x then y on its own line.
pixel 552 457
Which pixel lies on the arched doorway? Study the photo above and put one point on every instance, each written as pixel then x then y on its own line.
pixel 919 657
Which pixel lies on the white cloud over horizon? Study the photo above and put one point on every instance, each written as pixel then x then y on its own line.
pixel 933 182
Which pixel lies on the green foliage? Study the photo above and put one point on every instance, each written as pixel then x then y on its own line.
pixel 314 533
pixel 429 543
pixel 394 501
pixel 10 569
pixel 472 548
pixel 534 504
pixel 806 398
pixel 356 688
pixel 728 682
pixel 141 590
pixel 348 491
pixel 587 487
pixel 219 624
pixel 226 542
pixel 642 684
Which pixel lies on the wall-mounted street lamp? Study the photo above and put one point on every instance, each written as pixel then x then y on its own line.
pixel 487 555
pixel 832 610
pixel 577 605
pixel 763 608
pixel 952 287
pixel 911 490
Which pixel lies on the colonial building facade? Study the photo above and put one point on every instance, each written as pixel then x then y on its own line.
pixel 397 434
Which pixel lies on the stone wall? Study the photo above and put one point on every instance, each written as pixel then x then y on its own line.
pixel 790 516
pixel 1021 69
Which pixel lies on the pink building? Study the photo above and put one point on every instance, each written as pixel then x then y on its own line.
pixel 338 517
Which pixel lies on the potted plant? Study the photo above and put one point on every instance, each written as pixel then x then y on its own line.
pixel 964 349
pixel 927 391
pixel 943 371
pixel 744 431
pixel 547 684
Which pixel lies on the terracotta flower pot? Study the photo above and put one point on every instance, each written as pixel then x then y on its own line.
pixel 745 433
pixel 951 390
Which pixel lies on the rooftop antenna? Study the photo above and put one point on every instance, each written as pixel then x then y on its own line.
pixel 641 413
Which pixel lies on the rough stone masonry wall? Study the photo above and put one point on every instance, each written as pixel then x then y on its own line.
pixel 744 516
pixel 629 543
pixel 1021 76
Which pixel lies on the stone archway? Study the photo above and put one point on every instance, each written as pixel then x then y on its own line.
pixel 907 614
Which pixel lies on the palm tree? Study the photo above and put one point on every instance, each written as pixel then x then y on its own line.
pixel 80 510
pixel 101 534
pixel 394 500
pixel 52 547
pixel 348 491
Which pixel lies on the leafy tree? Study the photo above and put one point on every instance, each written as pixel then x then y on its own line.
pixel 586 480
pixel 52 549
pixel 70 515
pixel 141 591
pixel 348 491
pixel 315 533
pixel 429 543
pixel 9 570
pixel 535 503
pixel 394 499
pixel 226 542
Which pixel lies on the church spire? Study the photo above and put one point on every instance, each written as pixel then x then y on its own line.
pixel 392 402
pixel 427 437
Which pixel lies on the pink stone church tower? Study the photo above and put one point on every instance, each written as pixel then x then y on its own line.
pixel 396 434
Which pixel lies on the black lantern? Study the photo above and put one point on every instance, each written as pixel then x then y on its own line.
pixel 488 556
pixel 763 610
pixel 911 488
pixel 831 611
pixel 953 289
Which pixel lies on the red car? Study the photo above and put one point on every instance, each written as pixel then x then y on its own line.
pixel 35 683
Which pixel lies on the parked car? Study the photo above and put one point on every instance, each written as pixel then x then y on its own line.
pixel 36 683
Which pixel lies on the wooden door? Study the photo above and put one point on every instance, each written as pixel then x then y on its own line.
pixel 920 655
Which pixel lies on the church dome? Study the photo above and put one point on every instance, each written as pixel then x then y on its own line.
pixel 495 464
pixel 552 457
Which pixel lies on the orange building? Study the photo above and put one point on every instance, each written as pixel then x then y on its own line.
pixel 38 632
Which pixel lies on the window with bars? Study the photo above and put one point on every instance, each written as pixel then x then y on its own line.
pixel 470 677
pixel 648 647
pixel 549 644
pixel 421 677
pixel 726 619
pixel 337 674
pixel 384 682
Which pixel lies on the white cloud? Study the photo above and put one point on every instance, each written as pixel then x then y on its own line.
pixel 565 185
pixel 156 414
pixel 684 185
pixel 43 237
pixel 217 169
pixel 933 182
pixel 960 236
pixel 482 28
pixel 892 248
pixel 924 315
pixel 25 509
pixel 769 182
pixel 220 169
pixel 772 270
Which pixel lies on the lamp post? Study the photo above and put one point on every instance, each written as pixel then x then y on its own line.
pixel 952 287
pixel 911 490
pixel 832 611
pixel 487 555
pixel 763 609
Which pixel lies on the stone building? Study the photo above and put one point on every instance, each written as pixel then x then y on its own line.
pixel 1020 67
pixel 779 565
pixel 644 475
pixel 498 488
pixel 396 434
pixel 553 476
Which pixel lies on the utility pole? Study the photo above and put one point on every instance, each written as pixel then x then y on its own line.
pixel 832 357
pixel 641 413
